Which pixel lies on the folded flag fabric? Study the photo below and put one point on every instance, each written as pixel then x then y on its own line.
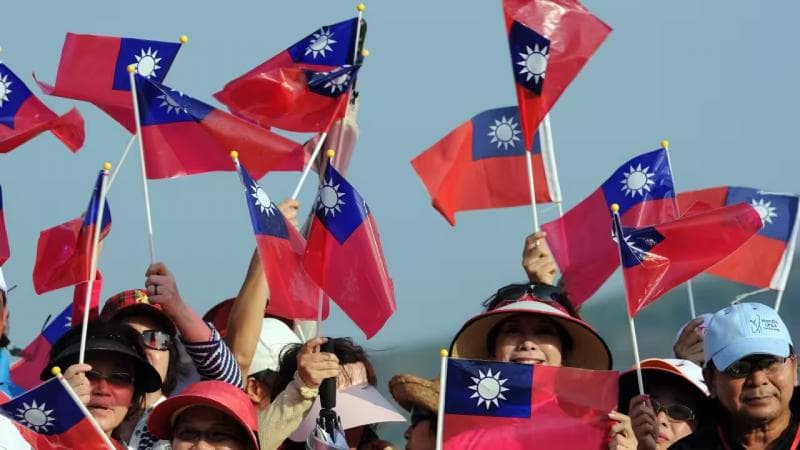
pixel 580 243
pixel 5 250
pixel 49 411
pixel 491 404
pixel 95 69
pixel 292 293
pixel 259 96
pixel 550 41
pixel 658 258
pixel 25 372
pixel 23 116
pixel 481 165
pixel 763 260
pixel 63 252
pixel 184 136
pixel 344 254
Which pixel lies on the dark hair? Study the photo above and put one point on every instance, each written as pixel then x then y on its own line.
pixel 544 292
pixel 170 380
pixel 564 337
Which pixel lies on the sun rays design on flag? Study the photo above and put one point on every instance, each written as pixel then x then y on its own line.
pixel 764 209
pixel 320 43
pixel 35 416
pixel 5 89
pixel 147 62
pixel 637 180
pixel 339 83
pixel 488 388
pixel 169 103
pixel 262 200
pixel 533 62
pixel 504 133
pixel 330 198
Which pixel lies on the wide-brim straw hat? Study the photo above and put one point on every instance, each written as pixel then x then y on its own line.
pixel 589 350
pixel 411 391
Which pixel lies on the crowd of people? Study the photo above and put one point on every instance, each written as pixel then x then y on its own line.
pixel 158 375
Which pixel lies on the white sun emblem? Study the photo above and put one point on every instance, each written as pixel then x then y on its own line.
pixel 637 181
pixel 320 43
pixel 488 388
pixel 338 83
pixel 147 62
pixel 169 102
pixel 330 198
pixel 504 132
pixel 533 62
pixel 5 89
pixel 262 199
pixel 35 417
pixel 764 209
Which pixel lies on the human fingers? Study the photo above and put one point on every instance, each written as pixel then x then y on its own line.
pixel 157 268
pixel 313 345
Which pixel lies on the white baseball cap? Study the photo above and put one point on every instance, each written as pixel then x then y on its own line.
pixel 275 335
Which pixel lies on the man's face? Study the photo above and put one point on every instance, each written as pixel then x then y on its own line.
pixel 760 396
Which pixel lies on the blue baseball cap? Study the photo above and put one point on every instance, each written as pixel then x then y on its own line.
pixel 745 329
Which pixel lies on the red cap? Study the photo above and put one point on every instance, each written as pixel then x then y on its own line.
pixel 135 302
pixel 218 395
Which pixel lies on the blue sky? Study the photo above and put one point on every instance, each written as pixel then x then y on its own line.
pixel 716 79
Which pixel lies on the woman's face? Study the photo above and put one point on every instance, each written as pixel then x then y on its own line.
pixel 110 396
pixel 420 435
pixel 669 429
pixel 203 427
pixel 529 339
pixel 158 358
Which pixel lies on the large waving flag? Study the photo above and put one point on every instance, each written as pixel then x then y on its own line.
pixel 580 243
pixel 763 260
pixel 183 136
pixel 258 95
pixel 5 250
pixel 481 164
pixel 95 69
pixel 292 293
pixel 658 258
pixel 345 257
pixel 49 411
pixel 492 404
pixel 25 372
pixel 63 253
pixel 23 116
pixel 550 42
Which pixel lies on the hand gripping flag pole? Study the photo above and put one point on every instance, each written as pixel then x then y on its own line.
pixel 56 371
pixel 137 118
pixel 442 387
pixel 93 259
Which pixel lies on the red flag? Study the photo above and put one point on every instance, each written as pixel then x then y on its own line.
pixel 550 42
pixel 496 405
pixel 95 69
pixel 481 165
pixel 5 250
pixel 25 372
pixel 658 258
pixel 345 257
pixel 23 116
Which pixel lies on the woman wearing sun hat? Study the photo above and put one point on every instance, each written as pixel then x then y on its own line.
pixel 420 397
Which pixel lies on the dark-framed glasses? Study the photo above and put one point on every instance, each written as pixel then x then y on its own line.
pixel 115 378
pixel 746 366
pixel 675 412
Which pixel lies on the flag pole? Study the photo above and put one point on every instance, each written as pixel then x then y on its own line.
pixel 442 386
pixel 549 157
pixel 131 74
pixel 310 162
pixel 330 153
pixel 98 227
pixel 531 186
pixel 121 161
pixel 787 263
pixel 620 241
pixel 360 8
pixel 56 371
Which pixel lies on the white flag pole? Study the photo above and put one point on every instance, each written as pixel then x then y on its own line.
pixel 121 161
pixel 442 386
pixel 786 265
pixel 131 73
pixel 360 8
pixel 310 162
pixel 57 372
pixel 550 168
pixel 531 186
pixel 330 154
pixel 93 260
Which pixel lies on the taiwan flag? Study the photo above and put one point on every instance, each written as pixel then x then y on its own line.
pixel 345 257
pixel 5 250
pixel 292 293
pixel 491 404
pixel 658 258
pixel 183 136
pixel 63 252
pixel 23 116
pixel 579 240
pixel 550 41
pixel 764 260
pixel 25 372
pixel 50 412
pixel 95 69
pixel 481 165
pixel 258 95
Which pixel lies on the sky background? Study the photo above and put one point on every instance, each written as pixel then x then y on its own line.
pixel 719 80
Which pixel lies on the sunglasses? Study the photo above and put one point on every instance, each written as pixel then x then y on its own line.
pixel 115 378
pixel 532 291
pixel 189 434
pixel 744 367
pixel 156 339
pixel 676 412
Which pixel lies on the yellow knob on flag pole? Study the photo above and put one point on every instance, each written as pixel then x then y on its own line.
pixel 234 155
pixel 615 207
pixel 665 144
pixel 131 68
pixel 365 53
pixel 56 371
pixel 443 353
pixel 106 166
pixel 361 7
pixel 184 39
pixel 330 153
